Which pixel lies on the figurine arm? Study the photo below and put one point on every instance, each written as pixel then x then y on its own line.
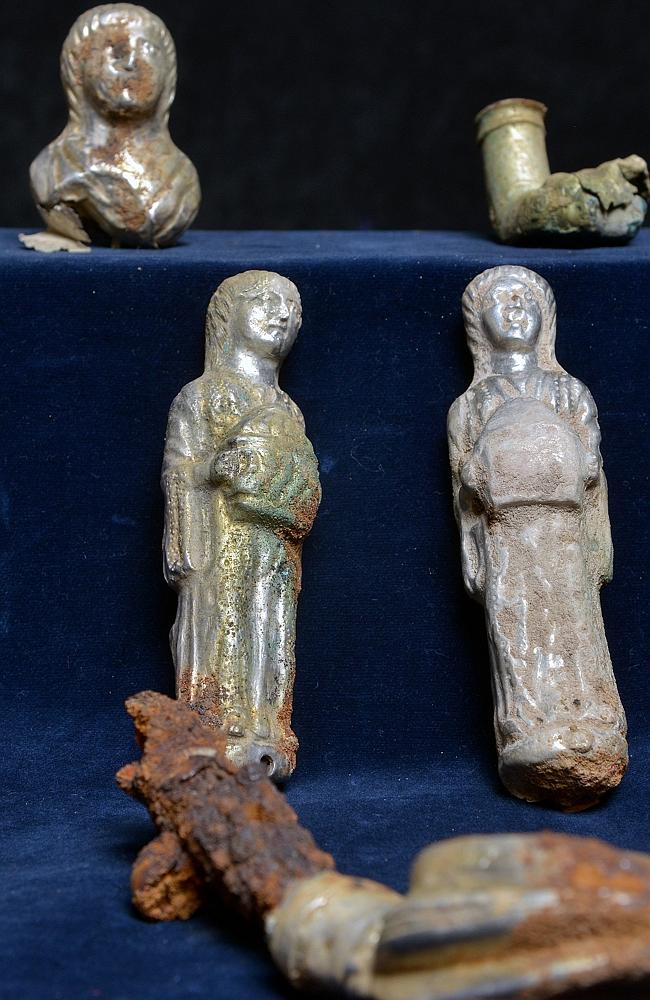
pixel 600 532
pixel 176 209
pixel 589 430
pixel 469 520
pixel 184 469
pixel 598 525
pixel 55 174
pixel 57 187
pixel 280 488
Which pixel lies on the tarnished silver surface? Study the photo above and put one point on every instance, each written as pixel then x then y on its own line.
pixel 325 932
pixel 509 916
pixel 241 488
pixel 527 203
pixel 530 499
pixel 114 169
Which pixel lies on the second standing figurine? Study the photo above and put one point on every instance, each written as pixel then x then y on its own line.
pixel 531 501
pixel 242 490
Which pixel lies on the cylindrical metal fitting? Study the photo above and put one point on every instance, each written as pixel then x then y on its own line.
pixel 513 143
pixel 324 933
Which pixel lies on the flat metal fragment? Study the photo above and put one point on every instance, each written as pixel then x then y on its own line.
pixel 49 242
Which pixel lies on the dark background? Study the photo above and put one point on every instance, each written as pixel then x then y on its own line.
pixel 350 115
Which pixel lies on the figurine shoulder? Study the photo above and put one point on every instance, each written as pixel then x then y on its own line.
pixel 209 388
pixel 479 402
pixel 219 396
pixel 456 414
pixel 570 394
pixel 189 399
pixel 582 395
pixel 293 409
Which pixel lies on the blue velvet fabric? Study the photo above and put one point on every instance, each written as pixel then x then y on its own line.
pixel 392 700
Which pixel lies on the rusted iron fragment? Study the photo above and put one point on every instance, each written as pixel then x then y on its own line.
pixel 511 916
pixel 165 882
pixel 240 832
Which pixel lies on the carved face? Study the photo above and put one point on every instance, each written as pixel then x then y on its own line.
pixel 267 322
pixel 511 316
pixel 124 70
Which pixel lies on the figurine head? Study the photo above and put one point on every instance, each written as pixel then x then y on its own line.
pixel 511 315
pixel 256 311
pixel 119 60
pixel 510 310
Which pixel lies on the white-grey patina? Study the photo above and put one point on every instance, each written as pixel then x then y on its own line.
pixel 530 499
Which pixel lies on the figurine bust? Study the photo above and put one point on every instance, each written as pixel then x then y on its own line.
pixel 530 499
pixel 241 485
pixel 114 171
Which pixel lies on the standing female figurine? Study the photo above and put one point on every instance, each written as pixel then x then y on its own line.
pixel 530 498
pixel 242 490
pixel 114 169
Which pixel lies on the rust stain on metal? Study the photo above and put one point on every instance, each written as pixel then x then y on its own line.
pixel 242 835
pixel 165 882
pixel 513 916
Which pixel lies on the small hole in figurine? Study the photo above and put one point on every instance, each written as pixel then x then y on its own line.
pixel 114 176
pixel 268 763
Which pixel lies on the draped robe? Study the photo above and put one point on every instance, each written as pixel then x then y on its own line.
pixel 531 501
pixel 140 187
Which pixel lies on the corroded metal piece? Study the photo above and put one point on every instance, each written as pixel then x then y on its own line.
pixel 527 202
pixel 513 916
pixel 166 884
pixel 530 498
pixel 114 169
pixel 220 826
pixel 241 489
